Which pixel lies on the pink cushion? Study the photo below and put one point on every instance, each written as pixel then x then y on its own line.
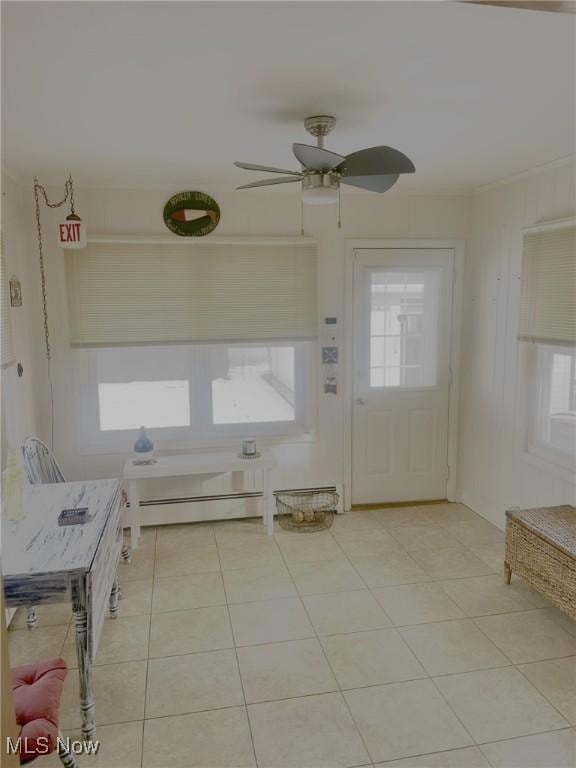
pixel 37 689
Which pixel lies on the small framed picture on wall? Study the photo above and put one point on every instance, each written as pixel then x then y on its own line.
pixel 15 292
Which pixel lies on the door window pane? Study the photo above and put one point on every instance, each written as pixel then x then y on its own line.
pixel 404 327
pixel 252 384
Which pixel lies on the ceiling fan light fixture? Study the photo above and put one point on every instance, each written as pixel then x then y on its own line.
pixel 320 189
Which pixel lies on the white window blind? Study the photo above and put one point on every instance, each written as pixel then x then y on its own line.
pixel 153 293
pixel 7 354
pixel 548 304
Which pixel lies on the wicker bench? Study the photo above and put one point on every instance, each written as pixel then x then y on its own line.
pixel 541 547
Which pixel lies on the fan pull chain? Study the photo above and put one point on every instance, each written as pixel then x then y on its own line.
pixel 302 216
pixel 339 209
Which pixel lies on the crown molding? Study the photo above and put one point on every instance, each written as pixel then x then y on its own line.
pixel 561 162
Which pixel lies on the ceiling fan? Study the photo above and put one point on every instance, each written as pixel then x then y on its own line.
pixel 375 169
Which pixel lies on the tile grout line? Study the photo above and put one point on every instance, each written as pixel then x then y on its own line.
pixel 476 745
pixel 473 740
pixel 392 626
pixel 148 657
pixel 321 645
pixel 318 638
pixel 562 715
pixel 511 663
pixel 567 727
pixel 429 676
pixel 236 652
pixel 424 668
pixel 431 577
pixel 357 571
pixel 340 691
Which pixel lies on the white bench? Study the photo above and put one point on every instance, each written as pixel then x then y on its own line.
pixel 199 464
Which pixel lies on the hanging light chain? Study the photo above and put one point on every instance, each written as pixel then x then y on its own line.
pixel 71 188
pixel 68 193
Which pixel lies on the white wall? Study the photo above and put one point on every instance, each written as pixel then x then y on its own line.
pixel 263 212
pixel 494 473
pixel 19 394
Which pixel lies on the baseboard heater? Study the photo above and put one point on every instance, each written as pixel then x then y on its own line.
pixel 228 506
pixel 227 496
pixel 193 499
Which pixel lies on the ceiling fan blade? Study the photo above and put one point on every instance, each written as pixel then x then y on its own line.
pixel 252 167
pixel 268 182
pixel 375 161
pixel 377 183
pixel 316 158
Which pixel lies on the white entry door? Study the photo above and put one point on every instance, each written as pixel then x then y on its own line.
pixel 402 340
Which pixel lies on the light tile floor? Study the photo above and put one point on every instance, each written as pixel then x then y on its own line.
pixel 389 640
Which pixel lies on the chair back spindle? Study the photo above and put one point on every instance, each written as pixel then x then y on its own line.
pixel 39 462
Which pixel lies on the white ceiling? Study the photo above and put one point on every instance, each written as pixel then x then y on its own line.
pixel 159 94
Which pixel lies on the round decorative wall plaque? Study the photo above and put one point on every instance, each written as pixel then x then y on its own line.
pixel 203 219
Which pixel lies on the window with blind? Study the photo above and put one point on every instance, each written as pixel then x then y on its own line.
pixel 548 301
pixel 553 412
pixel 548 320
pixel 197 342
pixel 138 293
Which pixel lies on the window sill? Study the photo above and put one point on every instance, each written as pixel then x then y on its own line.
pixel 546 465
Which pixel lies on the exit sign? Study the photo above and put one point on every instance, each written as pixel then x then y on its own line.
pixel 72 233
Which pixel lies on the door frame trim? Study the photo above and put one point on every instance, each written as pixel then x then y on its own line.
pixel 452 487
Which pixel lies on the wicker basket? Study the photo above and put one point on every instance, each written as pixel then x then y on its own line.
pixel 541 547
pixel 306 511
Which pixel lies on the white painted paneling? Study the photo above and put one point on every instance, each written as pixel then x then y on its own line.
pixel 494 473
pixel 19 393
pixel 303 464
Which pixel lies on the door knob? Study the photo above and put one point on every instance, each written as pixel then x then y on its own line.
pixel 359 401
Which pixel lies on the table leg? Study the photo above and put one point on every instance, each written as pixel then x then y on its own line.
pixel 31 617
pixel 125 553
pixel 66 757
pixel 114 595
pixel 267 501
pixel 84 663
pixel 134 499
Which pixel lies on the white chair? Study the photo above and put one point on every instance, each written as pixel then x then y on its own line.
pixel 41 467
pixel 40 463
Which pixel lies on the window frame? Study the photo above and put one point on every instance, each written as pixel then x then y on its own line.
pixel 201 432
pixel 539 374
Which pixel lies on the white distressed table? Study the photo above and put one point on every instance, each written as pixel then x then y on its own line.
pixel 43 562
pixel 199 464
